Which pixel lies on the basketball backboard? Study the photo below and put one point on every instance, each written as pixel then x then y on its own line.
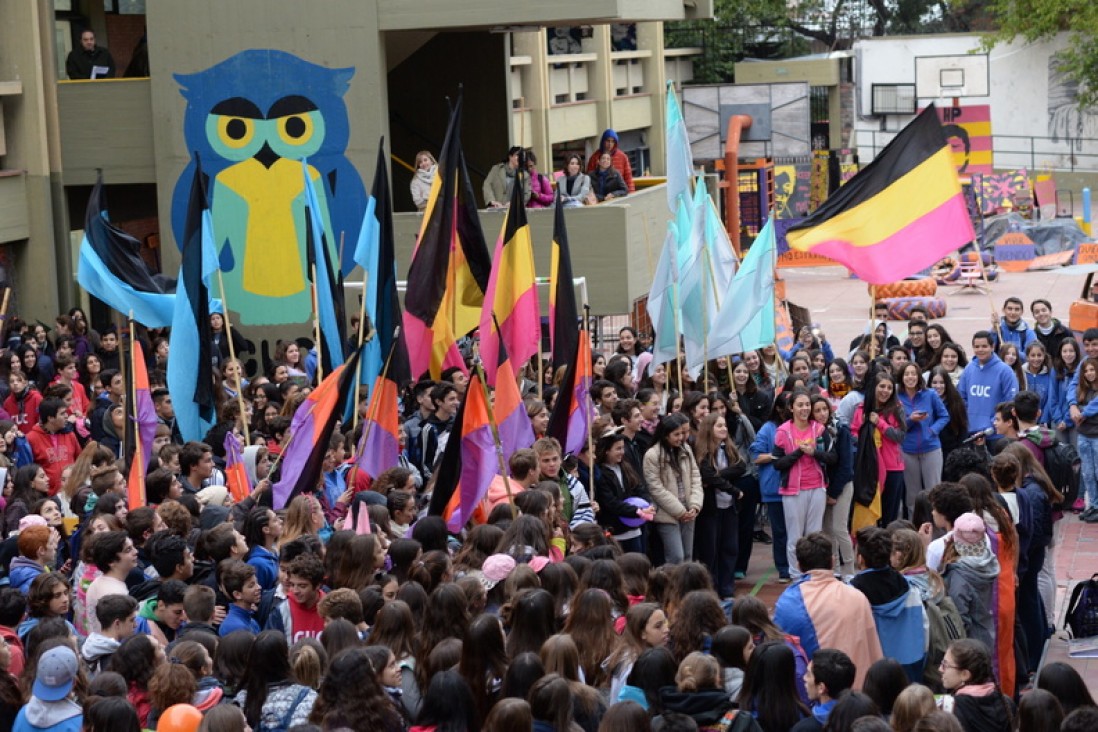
pixel 962 75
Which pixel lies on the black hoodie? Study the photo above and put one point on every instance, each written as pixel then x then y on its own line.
pixel 706 706
pixel 991 713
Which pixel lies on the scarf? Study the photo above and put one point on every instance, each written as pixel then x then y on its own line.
pixel 976 690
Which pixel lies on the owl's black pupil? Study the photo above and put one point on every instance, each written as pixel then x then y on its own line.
pixel 236 129
pixel 295 127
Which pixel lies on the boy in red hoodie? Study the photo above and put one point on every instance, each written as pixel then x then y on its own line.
pixel 54 449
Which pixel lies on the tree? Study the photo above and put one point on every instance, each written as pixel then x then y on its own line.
pixel 1038 20
pixel 786 28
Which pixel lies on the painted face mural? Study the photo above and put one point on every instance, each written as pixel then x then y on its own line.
pixel 253 120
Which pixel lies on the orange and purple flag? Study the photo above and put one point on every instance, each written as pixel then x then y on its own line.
pixel 574 410
pixel 379 448
pixel 144 419
pixel 511 312
pixel 899 215
pixel 469 461
pixel 450 266
pixel 512 421
pixel 310 430
pixel 236 476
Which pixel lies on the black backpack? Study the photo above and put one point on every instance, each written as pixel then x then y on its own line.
pixel 1082 612
pixel 1062 465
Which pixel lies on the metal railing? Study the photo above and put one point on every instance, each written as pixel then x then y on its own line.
pixel 1011 152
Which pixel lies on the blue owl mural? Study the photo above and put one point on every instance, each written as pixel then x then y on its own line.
pixel 253 119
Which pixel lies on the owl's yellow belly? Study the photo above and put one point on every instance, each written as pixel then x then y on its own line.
pixel 273 252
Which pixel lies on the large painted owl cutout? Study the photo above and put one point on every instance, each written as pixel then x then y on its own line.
pixel 253 118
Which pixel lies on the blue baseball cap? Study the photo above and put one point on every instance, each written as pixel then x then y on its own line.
pixel 57 670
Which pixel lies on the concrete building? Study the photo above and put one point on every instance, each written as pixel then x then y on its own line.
pixel 1035 121
pixel 400 60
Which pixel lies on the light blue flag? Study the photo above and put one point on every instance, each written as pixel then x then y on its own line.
pixel 662 306
pixel 366 256
pixel 746 318
pixel 151 309
pixel 325 292
pixel 680 160
pixel 722 255
pixel 698 297
pixel 194 412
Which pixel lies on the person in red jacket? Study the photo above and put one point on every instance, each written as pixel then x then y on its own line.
pixel 53 448
pixel 620 161
pixel 22 403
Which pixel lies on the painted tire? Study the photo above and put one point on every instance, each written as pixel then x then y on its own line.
pixel 899 308
pixel 926 287
pixel 947 271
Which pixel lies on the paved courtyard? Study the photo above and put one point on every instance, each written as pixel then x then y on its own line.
pixel 841 305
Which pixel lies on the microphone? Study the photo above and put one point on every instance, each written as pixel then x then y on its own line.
pixel 982 433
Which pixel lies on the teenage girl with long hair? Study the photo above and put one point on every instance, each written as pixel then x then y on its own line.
pixel 879 467
pixel 721 465
pixel 675 486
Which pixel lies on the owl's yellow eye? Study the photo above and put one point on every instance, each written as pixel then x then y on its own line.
pixel 295 129
pixel 235 132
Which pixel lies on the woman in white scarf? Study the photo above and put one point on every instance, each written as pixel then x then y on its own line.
pixel 426 167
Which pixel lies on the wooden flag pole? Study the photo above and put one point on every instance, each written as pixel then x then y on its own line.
pixel 873 322
pixel 4 304
pixel 479 368
pixel 361 340
pixel 987 289
pixel 372 413
pixel 316 330
pixel 232 355
pixel 588 419
pixel 137 454
pixel 541 366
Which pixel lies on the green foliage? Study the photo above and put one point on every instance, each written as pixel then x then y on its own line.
pixel 1036 20
pixel 771 29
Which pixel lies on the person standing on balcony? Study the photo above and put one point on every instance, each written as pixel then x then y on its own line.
pixel 541 189
pixel 575 187
pixel 620 161
pixel 426 168
pixel 89 61
pixel 498 182
pixel 606 182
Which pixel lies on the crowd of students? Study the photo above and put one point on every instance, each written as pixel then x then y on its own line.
pixel 911 495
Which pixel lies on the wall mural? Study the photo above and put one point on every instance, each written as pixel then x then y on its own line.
pixel 1065 120
pixel 253 119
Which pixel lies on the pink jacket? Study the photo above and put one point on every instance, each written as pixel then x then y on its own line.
pixel 889 452
pixel 791 482
pixel 541 192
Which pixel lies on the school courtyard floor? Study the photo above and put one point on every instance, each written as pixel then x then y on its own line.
pixel 841 305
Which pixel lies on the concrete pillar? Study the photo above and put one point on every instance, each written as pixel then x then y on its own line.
pixel 40 263
pixel 650 38
pixel 536 98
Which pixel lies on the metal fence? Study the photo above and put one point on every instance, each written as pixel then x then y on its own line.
pixel 1011 152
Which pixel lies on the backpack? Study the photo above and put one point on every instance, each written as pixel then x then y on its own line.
pixel 1082 612
pixel 735 720
pixel 945 625
pixel 1062 465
